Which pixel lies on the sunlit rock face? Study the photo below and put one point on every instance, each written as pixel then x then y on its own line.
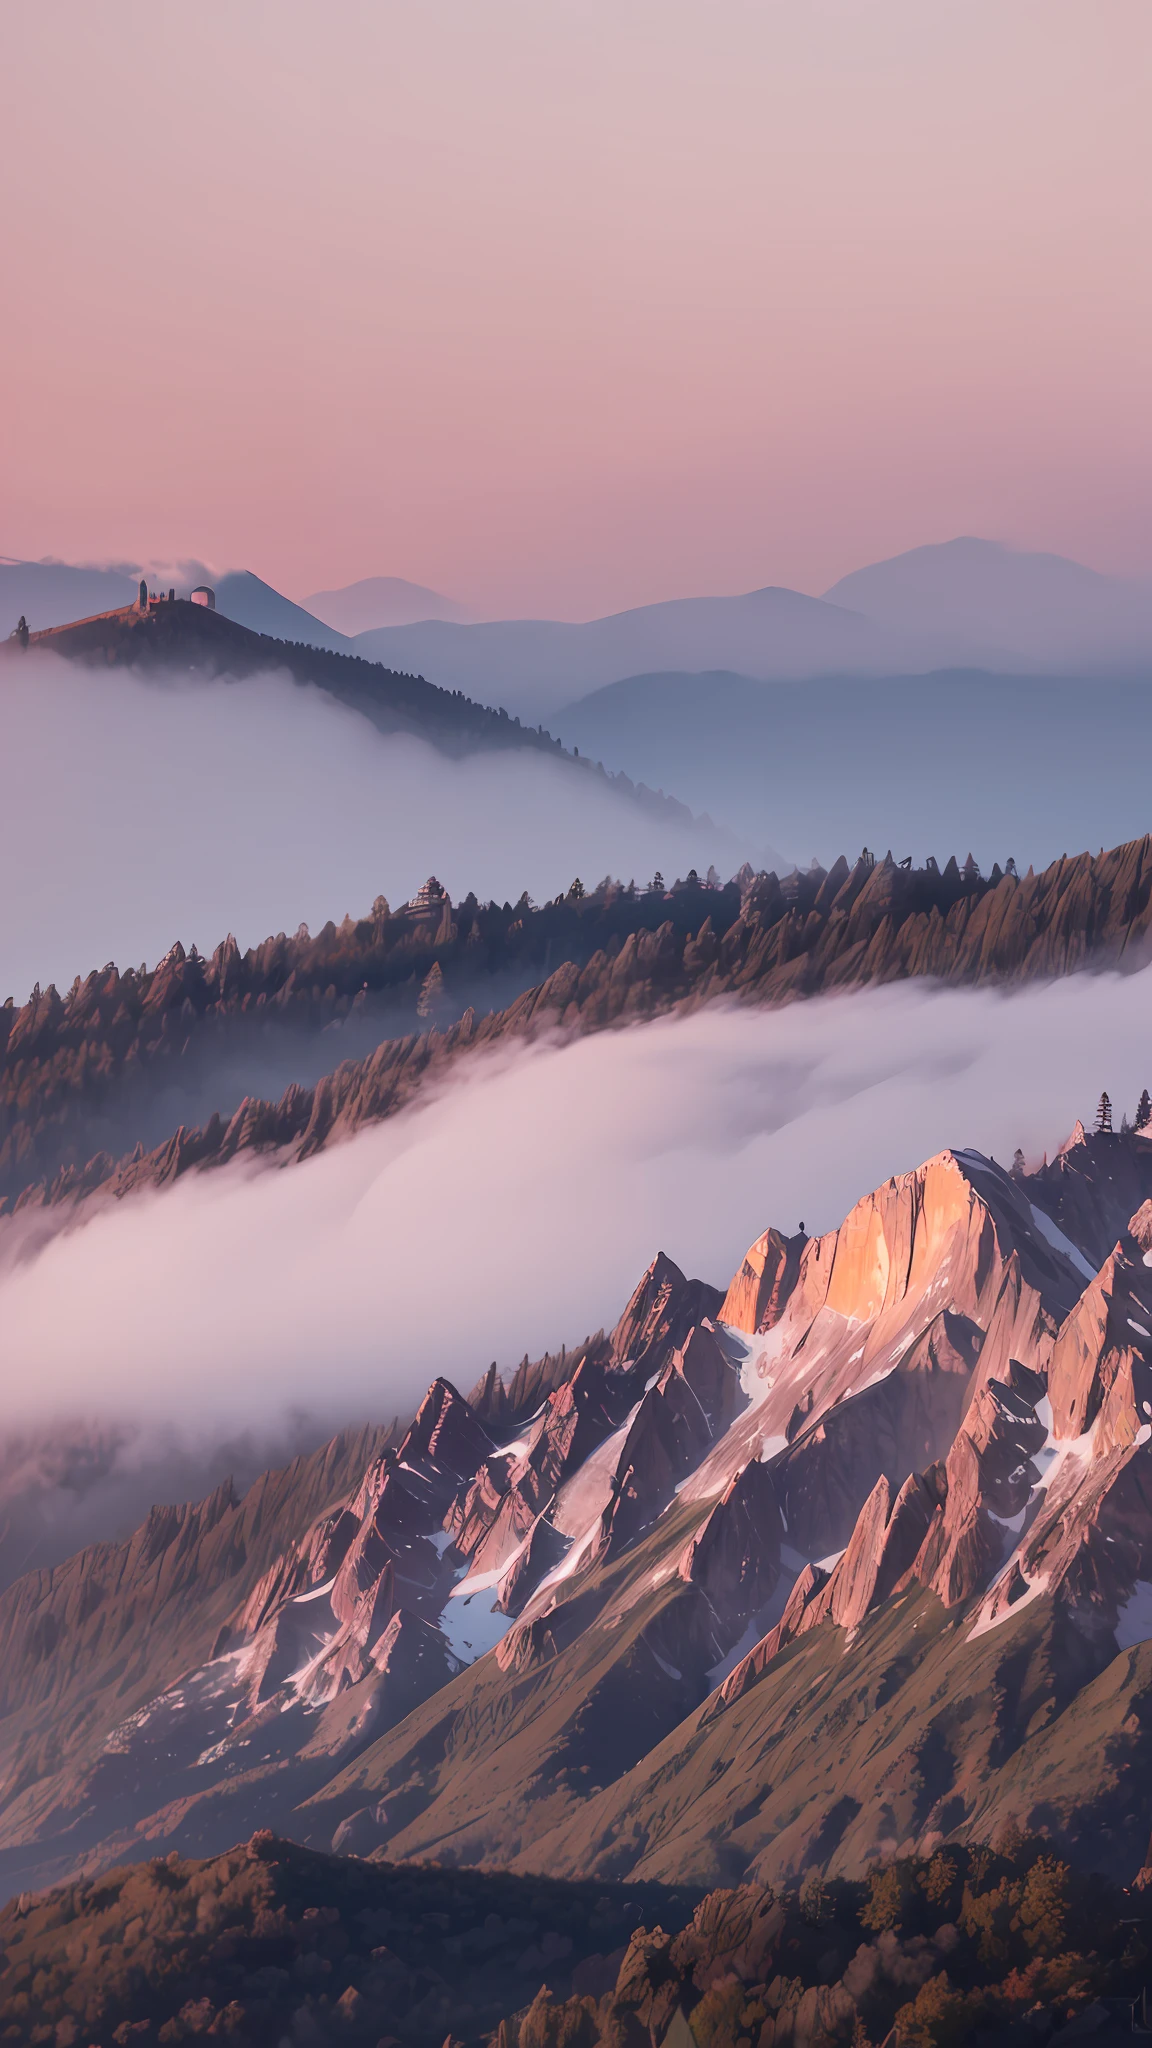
pixel 854 1554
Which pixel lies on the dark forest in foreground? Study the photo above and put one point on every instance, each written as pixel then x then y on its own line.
pixel 271 1942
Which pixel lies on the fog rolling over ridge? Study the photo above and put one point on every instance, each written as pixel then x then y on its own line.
pixel 544 1184
pixel 154 811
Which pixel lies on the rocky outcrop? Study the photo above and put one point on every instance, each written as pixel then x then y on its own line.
pixel 986 1483
pixel 907 1420
pixel 734 1556
pixel 1099 1374
pixel 499 1522
pixel 756 1298
pixel 917 1342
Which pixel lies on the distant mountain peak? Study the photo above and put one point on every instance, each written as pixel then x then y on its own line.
pixel 1000 601
pixel 376 601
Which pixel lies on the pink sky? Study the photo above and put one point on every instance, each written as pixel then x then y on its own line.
pixel 565 305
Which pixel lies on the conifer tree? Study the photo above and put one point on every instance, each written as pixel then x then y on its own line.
pixel 1143 1110
pixel 1104 1112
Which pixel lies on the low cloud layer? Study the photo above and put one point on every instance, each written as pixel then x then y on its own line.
pixel 518 1207
pixel 141 813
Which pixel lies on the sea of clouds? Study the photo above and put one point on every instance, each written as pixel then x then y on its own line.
pixel 517 1207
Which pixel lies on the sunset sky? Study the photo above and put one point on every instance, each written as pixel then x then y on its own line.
pixel 565 305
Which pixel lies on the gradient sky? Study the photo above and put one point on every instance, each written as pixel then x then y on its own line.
pixel 564 305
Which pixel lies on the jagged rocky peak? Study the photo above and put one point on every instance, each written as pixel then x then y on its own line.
pixel 1099 1374
pixel 893 1468
pixel 937 1277
pixel 758 1293
pixel 1046 1489
pixel 664 1306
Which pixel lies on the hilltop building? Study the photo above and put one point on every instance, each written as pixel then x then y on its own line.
pixel 430 896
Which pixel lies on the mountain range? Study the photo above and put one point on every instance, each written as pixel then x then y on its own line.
pixel 533 666
pixel 878 1449
pixel 961 604
pixel 965 759
pixel 770 1670
pixel 848 1562
pixel 965 603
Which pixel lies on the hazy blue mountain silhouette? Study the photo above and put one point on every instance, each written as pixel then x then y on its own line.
pixel 533 665
pixel 382 601
pixel 966 603
pixel 952 761
pixel 1004 603
pixel 244 597
pixel 51 593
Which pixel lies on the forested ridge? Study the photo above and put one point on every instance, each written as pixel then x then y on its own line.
pixel 181 638
pixel 271 1942
pixel 127 1054
pixel 112 1068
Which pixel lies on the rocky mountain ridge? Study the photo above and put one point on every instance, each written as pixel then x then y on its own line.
pixel 75 1069
pixel 847 1562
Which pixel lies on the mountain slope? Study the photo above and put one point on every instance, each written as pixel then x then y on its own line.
pixel 272 1942
pixel 218 1666
pixel 1041 609
pixel 382 601
pixel 124 1059
pixel 55 593
pixel 75 1073
pixel 250 602
pixel 893 1324
pixel 853 1561
pixel 955 760
pixel 534 665
pixel 182 635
